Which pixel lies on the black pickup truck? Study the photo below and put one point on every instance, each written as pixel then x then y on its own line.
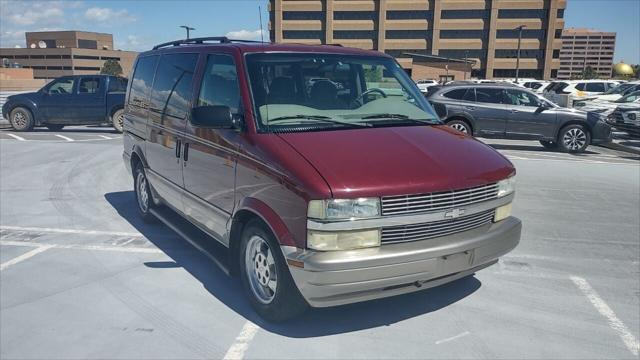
pixel 69 100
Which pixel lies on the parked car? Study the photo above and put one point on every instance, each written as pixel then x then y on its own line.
pixel 425 84
pixel 69 100
pixel 627 118
pixel 494 110
pixel 557 91
pixel 536 86
pixel 612 94
pixel 318 199
pixel 607 107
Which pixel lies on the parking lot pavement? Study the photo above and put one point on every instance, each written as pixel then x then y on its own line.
pixel 81 276
pixel 68 134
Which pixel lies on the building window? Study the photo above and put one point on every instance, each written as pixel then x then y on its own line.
pixel 66 56
pixel 53 57
pixel 479 73
pixel 87 68
pixel 403 53
pixel 558 33
pixel 303 34
pixel 526 34
pixel 86 57
pixel 409 14
pixel 408 34
pixel 87 44
pixel 461 54
pixel 463 34
pixel 464 14
pixel 21 56
pixel 109 58
pixel 560 13
pixel 554 73
pixel 524 54
pixel 51 44
pixel 522 13
pixel 37 56
pixel 67 68
pixel 39 67
pixel 355 15
pixel 355 34
pixel 556 54
pixel 522 73
pixel 303 15
pixel 54 67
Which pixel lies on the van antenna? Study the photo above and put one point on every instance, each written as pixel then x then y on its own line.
pixel 261 74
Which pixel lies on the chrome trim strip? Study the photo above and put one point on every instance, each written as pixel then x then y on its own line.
pixel 396 220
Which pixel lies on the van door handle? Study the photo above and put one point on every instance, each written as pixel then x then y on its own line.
pixel 185 155
pixel 470 107
pixel 178 146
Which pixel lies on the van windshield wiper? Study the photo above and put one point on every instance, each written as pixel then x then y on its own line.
pixel 316 118
pixel 399 117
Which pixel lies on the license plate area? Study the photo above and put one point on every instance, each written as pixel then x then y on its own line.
pixel 456 262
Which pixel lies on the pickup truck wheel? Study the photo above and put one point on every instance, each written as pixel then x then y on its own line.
pixel 143 194
pixel 460 126
pixel 573 139
pixel 55 127
pixel 117 119
pixel 265 275
pixel 551 145
pixel 21 119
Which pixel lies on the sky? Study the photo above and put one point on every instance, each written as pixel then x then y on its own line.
pixel 139 24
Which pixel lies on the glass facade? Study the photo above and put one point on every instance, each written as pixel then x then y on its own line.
pixel 303 34
pixel 463 34
pixel 303 15
pixel 464 14
pixel 526 34
pixel 355 34
pixel 522 13
pixel 355 15
pixel 408 34
pixel 409 14
pixel 524 54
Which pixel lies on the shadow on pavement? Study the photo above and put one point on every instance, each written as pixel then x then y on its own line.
pixel 538 148
pixel 315 322
pixel 74 129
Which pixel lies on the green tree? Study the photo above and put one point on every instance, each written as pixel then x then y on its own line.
pixel 373 74
pixel 111 67
pixel 589 73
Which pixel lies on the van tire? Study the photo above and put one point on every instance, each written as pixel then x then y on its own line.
pixel 460 125
pixel 117 120
pixel 21 119
pixel 142 190
pixel 573 138
pixel 257 246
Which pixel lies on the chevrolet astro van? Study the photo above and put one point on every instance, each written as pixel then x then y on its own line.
pixel 322 171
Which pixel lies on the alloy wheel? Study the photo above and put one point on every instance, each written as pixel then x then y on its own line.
pixel 19 119
pixel 261 269
pixel 459 127
pixel 574 139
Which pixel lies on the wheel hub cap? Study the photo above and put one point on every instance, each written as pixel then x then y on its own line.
pixel 574 139
pixel 19 119
pixel 459 127
pixel 261 269
pixel 143 195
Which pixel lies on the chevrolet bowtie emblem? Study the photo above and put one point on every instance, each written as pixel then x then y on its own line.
pixel 455 213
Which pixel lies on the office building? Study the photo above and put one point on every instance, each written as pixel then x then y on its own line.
pixel 482 30
pixel 52 54
pixel 586 47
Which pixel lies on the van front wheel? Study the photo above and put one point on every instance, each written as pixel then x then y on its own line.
pixel 265 275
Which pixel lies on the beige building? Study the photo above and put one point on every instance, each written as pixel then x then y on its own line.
pixel 586 47
pixel 52 54
pixel 482 30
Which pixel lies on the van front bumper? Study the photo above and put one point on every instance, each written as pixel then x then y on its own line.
pixel 341 277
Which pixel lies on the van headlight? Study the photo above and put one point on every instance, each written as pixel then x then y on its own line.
pixel 343 209
pixel 506 186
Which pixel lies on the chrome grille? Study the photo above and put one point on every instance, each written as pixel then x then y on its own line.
pixel 434 229
pixel 409 204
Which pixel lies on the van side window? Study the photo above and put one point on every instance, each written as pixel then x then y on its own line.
pixel 171 93
pixel 141 82
pixel 89 85
pixel 220 83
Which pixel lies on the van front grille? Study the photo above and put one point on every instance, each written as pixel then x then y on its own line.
pixel 410 204
pixel 415 232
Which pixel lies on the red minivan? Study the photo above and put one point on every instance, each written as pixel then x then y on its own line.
pixel 322 170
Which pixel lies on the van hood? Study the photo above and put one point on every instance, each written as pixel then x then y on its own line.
pixel 399 160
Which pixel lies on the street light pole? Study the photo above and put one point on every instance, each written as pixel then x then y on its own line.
pixel 188 29
pixel 519 28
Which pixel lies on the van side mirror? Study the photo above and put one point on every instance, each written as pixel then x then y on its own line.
pixel 214 116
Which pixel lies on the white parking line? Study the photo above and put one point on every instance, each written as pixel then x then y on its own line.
pixel 238 348
pixel 105 137
pixel 452 338
pixel 16 137
pixel 616 324
pixel 25 256
pixel 85 247
pixel 70 231
pixel 64 137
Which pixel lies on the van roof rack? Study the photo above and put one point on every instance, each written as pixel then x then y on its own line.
pixel 202 40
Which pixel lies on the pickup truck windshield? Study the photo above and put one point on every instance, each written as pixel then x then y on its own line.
pixel 307 91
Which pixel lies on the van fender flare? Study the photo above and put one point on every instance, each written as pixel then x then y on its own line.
pixel 269 217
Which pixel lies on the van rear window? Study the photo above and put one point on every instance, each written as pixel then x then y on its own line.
pixel 142 79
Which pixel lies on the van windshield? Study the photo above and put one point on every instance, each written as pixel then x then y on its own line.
pixel 308 91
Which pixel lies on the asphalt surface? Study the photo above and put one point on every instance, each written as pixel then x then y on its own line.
pixel 82 277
